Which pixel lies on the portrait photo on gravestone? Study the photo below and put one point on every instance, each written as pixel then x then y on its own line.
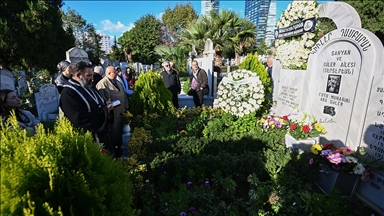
pixel 333 83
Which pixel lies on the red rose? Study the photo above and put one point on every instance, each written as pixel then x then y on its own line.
pixel 292 126
pixel 285 118
pixel 306 128
pixel 327 146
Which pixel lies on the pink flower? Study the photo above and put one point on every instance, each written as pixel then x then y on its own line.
pixel 192 209
pixel 41 77
pixel 346 151
pixel 366 175
pixel 311 161
pixel 334 158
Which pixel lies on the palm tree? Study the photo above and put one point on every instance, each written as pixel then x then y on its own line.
pixel 224 29
pixel 178 55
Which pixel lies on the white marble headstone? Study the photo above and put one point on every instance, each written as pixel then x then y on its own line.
pixel 208 48
pixel 344 91
pixel 7 80
pixel 75 55
pixel 22 86
pixel 373 142
pixel 289 91
pixel 47 100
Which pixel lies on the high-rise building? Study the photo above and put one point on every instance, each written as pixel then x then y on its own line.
pixel 263 14
pixel 208 5
pixel 105 43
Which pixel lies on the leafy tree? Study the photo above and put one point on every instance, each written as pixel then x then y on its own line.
pixel 175 20
pixel 142 39
pixel 116 54
pixel 84 33
pixel 32 36
pixel 371 15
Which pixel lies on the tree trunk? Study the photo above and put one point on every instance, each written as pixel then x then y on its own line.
pixel 237 58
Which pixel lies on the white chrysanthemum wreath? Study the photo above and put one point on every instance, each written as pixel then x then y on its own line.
pixel 293 52
pixel 240 92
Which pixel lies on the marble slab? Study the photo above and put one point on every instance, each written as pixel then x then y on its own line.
pixel 75 55
pixel 47 101
pixel 289 88
pixel 373 127
pixel 340 71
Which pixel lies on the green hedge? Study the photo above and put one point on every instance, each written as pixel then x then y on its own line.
pixel 59 173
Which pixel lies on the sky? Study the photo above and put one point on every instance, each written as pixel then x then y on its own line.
pixel 113 18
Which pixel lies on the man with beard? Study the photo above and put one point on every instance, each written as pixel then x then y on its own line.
pixel 83 105
pixel 112 90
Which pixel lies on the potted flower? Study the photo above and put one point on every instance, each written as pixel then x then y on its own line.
pixel 339 167
pixel 126 118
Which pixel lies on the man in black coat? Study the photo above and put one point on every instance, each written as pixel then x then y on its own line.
pixel 83 105
pixel 171 82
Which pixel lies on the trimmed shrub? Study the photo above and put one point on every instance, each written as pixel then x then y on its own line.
pixel 59 173
pixel 150 95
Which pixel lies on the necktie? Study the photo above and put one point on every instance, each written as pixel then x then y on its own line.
pixel 115 84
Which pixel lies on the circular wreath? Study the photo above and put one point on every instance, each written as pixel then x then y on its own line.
pixel 293 52
pixel 240 92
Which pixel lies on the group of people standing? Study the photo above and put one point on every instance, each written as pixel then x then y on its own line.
pixel 94 103
pixel 198 86
pixel 86 100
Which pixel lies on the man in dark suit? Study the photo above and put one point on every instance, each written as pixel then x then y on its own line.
pixel 171 82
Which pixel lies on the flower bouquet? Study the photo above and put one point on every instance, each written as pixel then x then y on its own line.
pixel 303 126
pixel 271 122
pixel 240 92
pixel 342 159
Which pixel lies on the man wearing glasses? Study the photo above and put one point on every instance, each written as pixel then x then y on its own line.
pixel 171 82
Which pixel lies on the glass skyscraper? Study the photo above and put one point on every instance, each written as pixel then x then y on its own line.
pixel 263 14
pixel 208 5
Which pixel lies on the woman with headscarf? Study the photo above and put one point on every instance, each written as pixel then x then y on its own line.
pixel 65 73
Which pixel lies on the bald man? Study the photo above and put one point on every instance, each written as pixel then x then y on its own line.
pixel 111 90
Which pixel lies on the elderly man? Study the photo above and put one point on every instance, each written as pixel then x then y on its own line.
pixel 171 82
pixel 65 73
pixel 83 106
pixel 111 90
pixel 97 75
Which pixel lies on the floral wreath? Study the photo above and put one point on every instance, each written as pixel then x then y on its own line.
pixel 240 92
pixel 293 52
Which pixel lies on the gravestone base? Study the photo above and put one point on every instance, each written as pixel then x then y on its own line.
pixel 330 179
pixel 303 145
pixel 187 101
pixel 372 192
pixel 126 136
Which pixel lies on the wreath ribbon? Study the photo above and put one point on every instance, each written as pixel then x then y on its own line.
pixel 248 80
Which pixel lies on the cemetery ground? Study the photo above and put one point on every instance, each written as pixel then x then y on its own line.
pixel 198 161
